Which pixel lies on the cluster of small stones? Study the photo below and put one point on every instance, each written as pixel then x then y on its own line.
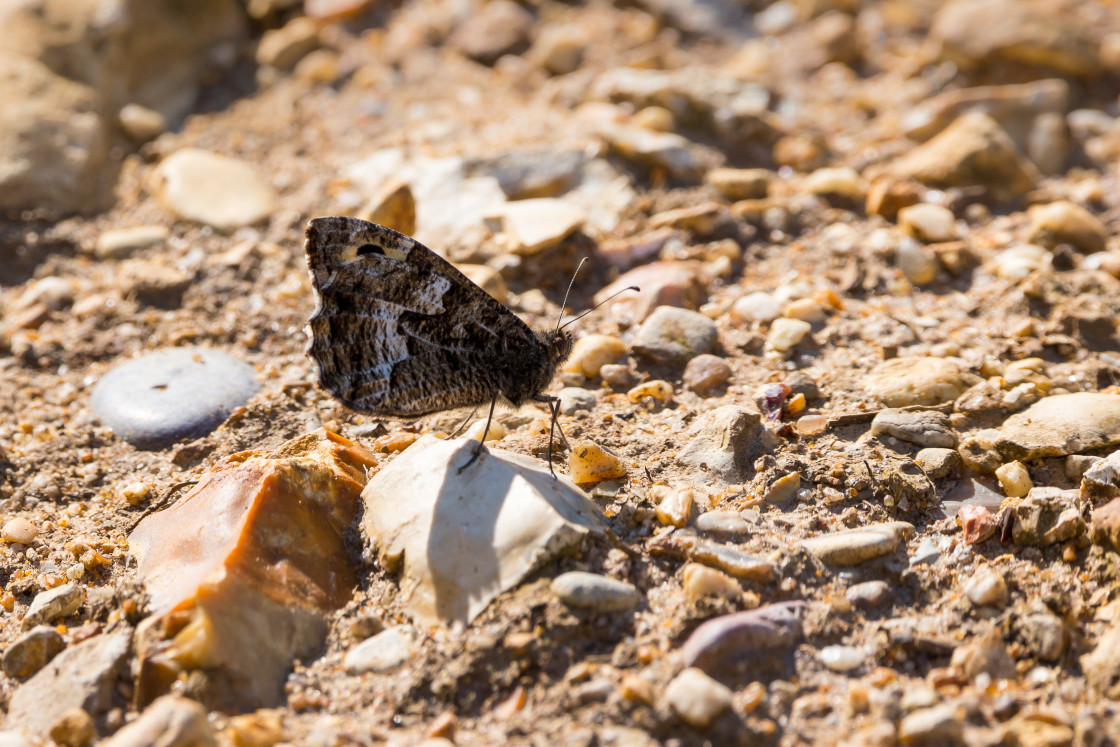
pixel 856 439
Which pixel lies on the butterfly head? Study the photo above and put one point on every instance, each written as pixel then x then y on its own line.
pixel 559 345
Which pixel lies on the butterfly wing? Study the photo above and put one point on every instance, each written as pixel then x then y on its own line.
pixel 397 330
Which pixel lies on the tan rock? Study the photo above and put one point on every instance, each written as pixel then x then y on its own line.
pixel 1064 222
pixel 917 381
pixel 973 151
pixel 980 33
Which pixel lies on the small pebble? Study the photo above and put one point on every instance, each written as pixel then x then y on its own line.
pixel 140 123
pixel 385 651
pixel 656 118
pixel 986 587
pixel 939 725
pixel 617 375
pixel 722 521
pixel 855 546
pixel 811 425
pixel 282 48
pixel 786 334
pixel 924 428
pixel 1065 222
pixel 163 397
pixel 591 463
pixel 496 432
pixel 900 382
pixel 122 242
pixel 917 263
pixel 783 490
pixel 706 373
pixel 841 182
pixel 54 604
pixel 1020 261
pixel 805 309
pixel 75 728
pixel 1014 479
pixel 869 593
pixel 928 223
pixel 595 593
pixel 31 652
pixel 674 506
pixel 591 353
pixel 841 658
pixel 662 391
pixel 939 462
pixel 672 335
pixel 701 582
pixel 756 307
pixel 697 698
pixel 575 399
pixel 19 530
pixel 741 184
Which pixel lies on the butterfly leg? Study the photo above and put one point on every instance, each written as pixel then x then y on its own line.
pixel 478 450
pixel 553 407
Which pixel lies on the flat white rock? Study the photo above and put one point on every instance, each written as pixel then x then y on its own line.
pixel 218 191
pixel 466 537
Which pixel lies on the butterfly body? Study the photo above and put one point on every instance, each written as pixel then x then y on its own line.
pixel 398 330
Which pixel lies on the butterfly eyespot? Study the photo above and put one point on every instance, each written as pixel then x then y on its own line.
pixel 370 249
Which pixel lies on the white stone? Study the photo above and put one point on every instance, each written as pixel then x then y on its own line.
pixel 385 651
pixel 19 530
pixel 757 307
pixel 222 192
pixel 533 225
pixel 916 262
pixel 929 223
pixel 697 698
pixel 467 536
pixel 986 588
pixel 121 242
pixel 787 333
pixel 1014 479
pixel 841 658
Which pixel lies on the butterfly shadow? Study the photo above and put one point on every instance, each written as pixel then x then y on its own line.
pixel 495 522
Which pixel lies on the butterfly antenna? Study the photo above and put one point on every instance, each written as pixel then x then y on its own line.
pixel 567 292
pixel 581 316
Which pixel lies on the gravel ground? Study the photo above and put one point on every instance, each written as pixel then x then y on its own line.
pixel 880 292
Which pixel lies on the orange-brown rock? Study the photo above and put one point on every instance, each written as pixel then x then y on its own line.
pixel 242 570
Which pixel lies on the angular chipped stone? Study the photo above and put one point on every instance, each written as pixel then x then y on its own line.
pixel 54 604
pixel 534 225
pixel 488 538
pixel 1047 516
pixel 854 546
pixel 256 544
pixel 84 676
pixel 1102 665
